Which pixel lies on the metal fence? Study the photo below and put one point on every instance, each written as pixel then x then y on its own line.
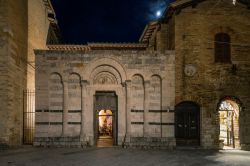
pixel 28 116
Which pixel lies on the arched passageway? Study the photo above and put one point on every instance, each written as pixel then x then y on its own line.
pixel 229 111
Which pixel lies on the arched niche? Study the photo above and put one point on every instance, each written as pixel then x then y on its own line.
pixel 105 75
pixel 74 92
pixel 74 105
pixel 55 92
pixel 55 105
pixel 112 64
pixel 137 104
pixel 155 92
pixel 137 87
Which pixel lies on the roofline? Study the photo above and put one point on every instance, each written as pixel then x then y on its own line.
pixel 169 11
pixel 143 33
pixel 69 47
pixel 53 21
pixel 48 5
pixel 146 31
pixel 99 46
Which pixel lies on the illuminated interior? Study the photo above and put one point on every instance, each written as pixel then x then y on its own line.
pixel 105 124
pixel 229 124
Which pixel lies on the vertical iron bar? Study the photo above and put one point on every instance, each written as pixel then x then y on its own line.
pixel 28 117
pixel 23 116
pixel 233 129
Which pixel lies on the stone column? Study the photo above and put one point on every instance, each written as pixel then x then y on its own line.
pixel 127 85
pixel 146 108
pixel 128 107
pixel 83 101
pixel 65 108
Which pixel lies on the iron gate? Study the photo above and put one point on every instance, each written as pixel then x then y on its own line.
pixel 28 116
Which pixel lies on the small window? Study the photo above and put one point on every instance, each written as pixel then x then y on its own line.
pixel 222 48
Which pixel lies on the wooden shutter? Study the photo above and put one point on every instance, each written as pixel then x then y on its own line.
pixel 222 48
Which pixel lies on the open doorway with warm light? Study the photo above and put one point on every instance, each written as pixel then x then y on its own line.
pixel 105 119
pixel 105 128
pixel 229 137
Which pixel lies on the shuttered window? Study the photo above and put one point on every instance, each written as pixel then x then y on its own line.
pixel 222 48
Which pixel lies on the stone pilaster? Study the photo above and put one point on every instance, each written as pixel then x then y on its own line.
pixel 146 108
pixel 84 84
pixel 128 108
pixel 65 108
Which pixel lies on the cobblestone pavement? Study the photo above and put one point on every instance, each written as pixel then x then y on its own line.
pixel 116 156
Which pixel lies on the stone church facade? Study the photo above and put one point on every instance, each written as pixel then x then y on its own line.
pixel 185 83
pixel 74 86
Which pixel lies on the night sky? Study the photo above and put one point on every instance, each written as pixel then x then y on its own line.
pixel 83 21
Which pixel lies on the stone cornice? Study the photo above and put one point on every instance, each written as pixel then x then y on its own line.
pixel 113 46
pixel 99 46
pixel 69 47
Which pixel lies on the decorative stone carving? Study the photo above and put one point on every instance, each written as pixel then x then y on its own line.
pixel 105 78
pixel 190 70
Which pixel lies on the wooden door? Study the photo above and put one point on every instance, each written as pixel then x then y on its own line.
pixel 187 122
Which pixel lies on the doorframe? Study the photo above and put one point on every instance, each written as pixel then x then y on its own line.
pixel 198 116
pixel 114 117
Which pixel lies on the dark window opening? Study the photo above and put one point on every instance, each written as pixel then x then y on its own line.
pixel 222 48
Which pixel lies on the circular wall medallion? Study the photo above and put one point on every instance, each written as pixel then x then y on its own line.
pixel 190 70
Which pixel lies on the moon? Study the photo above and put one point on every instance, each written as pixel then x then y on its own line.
pixel 158 13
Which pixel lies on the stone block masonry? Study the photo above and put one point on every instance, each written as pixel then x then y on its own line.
pixel 66 84
pixel 13 51
pixel 195 46
pixel 24 26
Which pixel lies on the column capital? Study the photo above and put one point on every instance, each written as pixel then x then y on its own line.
pixel 126 83
pixel 84 82
pixel 63 82
pixel 146 82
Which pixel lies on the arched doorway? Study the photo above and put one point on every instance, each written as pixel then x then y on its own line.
pixel 229 111
pixel 187 124
pixel 105 119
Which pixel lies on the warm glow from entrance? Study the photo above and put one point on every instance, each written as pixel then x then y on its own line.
pixel 229 124
pixel 105 123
